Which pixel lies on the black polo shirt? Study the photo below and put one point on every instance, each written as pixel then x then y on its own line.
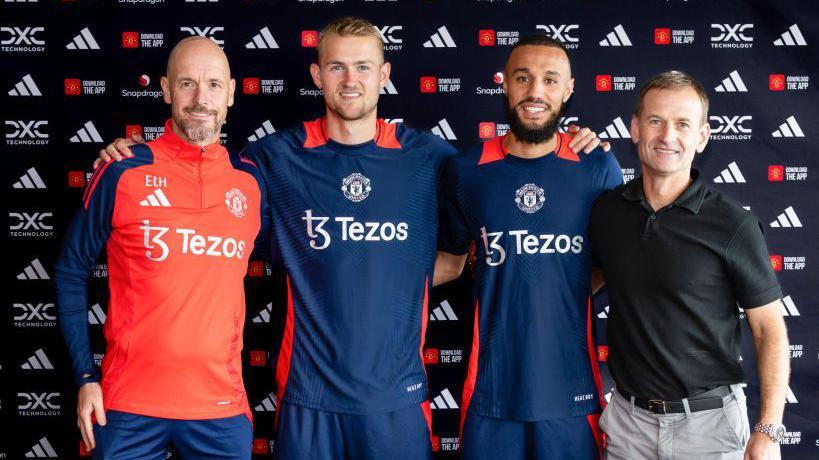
pixel 674 278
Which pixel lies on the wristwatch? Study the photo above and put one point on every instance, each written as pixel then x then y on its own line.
pixel 776 431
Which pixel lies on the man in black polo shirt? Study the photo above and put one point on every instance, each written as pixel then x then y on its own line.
pixel 677 258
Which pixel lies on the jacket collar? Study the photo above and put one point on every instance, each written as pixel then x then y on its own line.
pixel 176 147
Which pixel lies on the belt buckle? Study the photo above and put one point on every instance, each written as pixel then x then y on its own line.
pixel 657 406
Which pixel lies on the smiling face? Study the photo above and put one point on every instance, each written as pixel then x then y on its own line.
pixel 351 71
pixel 537 83
pixel 199 88
pixel 669 131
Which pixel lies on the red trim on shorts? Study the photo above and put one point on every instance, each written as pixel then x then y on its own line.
pixel 594 424
pixel 472 372
pixel 285 353
pixel 595 365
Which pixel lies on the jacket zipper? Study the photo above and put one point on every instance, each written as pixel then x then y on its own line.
pixel 198 169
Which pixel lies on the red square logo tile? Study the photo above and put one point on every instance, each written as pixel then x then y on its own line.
pixel 486 129
pixel 436 443
pixel 431 356
pixel 258 358
pixel 486 37
pixel 76 179
pixel 776 173
pixel 429 84
pixel 309 38
pixel 662 36
pixel 602 83
pixel 133 130
pixel 776 82
pixel 73 87
pixel 603 353
pixel 250 85
pixel 255 268
pixel 261 446
pixel 776 262
pixel 130 39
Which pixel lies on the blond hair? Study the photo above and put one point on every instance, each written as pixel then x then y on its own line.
pixel 351 26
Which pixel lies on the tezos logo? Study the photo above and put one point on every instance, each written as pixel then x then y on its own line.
pixel 192 242
pixel 352 230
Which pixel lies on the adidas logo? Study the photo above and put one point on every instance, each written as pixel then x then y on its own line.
pixel 38 361
pixel 83 41
pixel 30 180
pixel 156 198
pixel 25 87
pixel 34 271
pixel 787 219
pixel 790 397
pixel 42 449
pixel 440 39
pixel 604 314
pixel 264 130
pixel 389 88
pixel 443 313
pixel 268 404
pixel 791 37
pixel 444 131
pixel 444 401
pixel 617 37
pixel 264 315
pixel 730 175
pixel 262 41
pixel 788 307
pixel 87 134
pixel 616 130
pixel 732 84
pixel 789 129
pixel 96 315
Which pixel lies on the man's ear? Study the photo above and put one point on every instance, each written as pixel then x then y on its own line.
pixel 315 72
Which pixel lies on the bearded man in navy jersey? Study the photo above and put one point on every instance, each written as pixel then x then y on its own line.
pixel 525 198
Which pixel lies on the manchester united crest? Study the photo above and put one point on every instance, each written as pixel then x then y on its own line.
pixel 356 187
pixel 530 198
pixel 236 202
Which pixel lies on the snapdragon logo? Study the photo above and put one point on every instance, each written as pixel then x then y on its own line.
pixel 192 243
pixel 527 243
pixel 352 230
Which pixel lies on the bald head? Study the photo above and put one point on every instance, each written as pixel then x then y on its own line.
pixel 193 46
pixel 199 89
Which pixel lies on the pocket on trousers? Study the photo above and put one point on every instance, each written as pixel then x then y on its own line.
pixel 736 422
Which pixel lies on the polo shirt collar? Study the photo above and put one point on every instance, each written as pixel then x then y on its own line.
pixel 690 199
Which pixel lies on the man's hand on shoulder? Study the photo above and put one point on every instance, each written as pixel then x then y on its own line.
pixel 118 150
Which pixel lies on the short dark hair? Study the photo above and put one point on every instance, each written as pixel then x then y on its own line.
pixel 541 40
pixel 673 79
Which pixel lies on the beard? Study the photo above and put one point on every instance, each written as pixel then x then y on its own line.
pixel 352 114
pixel 199 130
pixel 538 134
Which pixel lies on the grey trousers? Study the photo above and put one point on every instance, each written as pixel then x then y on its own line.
pixel 633 433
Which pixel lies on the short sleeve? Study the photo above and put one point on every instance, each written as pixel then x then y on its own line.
pixel 749 269
pixel 453 232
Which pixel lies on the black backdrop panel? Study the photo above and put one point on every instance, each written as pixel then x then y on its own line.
pixel 77 74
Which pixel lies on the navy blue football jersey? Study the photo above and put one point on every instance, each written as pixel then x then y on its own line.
pixel 530 356
pixel 355 228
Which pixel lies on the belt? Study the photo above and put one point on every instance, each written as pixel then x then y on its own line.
pixel 711 399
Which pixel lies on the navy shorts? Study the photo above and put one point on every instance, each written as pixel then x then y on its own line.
pixel 488 438
pixel 308 434
pixel 131 436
